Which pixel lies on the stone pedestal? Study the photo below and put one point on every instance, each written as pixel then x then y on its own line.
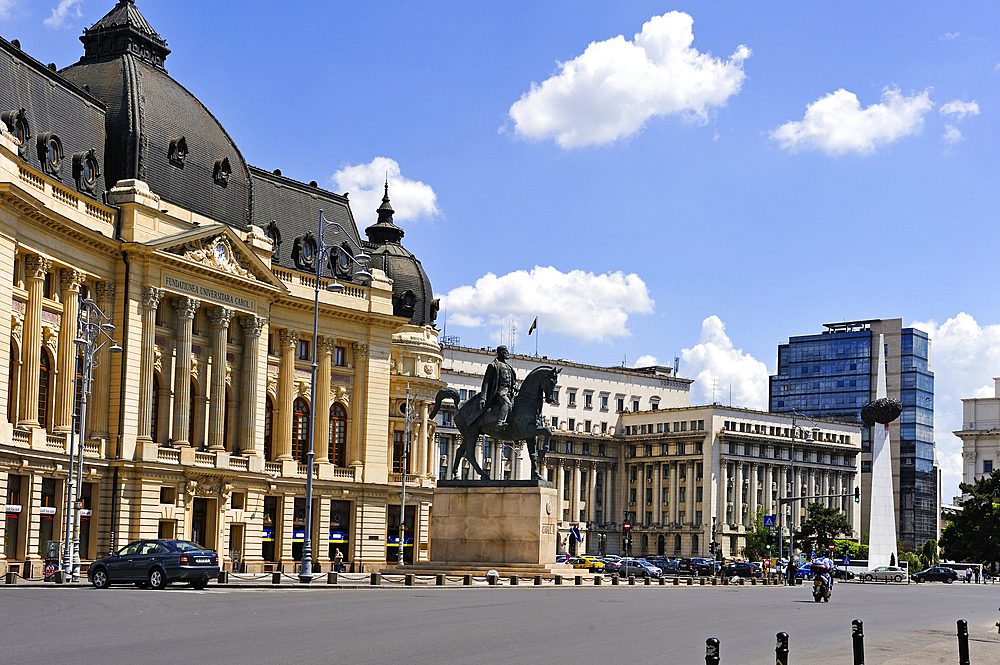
pixel 499 523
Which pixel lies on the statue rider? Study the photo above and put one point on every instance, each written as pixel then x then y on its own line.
pixel 499 386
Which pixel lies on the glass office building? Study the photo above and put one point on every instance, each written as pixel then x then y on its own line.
pixel 832 375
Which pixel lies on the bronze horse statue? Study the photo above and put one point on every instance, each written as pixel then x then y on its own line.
pixel 524 422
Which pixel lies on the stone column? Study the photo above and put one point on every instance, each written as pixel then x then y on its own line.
pixel 286 394
pixel 185 308
pixel 321 432
pixel 674 494
pixel 657 498
pixel 151 297
pixel 753 493
pixel 690 493
pixel 825 487
pixel 768 480
pixel 358 426
pixel 98 405
pixel 252 328
pixel 560 481
pixel 35 269
pixel 220 317
pixel 592 494
pixel 68 352
pixel 574 494
pixel 738 495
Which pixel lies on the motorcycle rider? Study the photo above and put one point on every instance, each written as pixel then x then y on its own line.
pixel 828 576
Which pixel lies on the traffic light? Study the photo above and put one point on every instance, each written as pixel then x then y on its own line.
pixel 857 495
pixel 711 547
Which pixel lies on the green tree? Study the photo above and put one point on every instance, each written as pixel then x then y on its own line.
pixel 755 546
pixel 929 554
pixel 974 534
pixel 821 528
pixel 851 549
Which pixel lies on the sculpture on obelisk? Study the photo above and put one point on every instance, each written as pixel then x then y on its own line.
pixel 882 507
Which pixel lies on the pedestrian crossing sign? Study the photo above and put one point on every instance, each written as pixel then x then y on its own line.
pixel 769 521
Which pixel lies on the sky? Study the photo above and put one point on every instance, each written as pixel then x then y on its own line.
pixel 652 180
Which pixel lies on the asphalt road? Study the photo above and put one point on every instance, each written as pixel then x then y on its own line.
pixel 903 624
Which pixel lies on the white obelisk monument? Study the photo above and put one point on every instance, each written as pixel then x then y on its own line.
pixel 882 528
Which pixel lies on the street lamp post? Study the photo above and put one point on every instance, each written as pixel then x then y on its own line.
pixel 94 330
pixel 791 516
pixel 407 424
pixel 323 254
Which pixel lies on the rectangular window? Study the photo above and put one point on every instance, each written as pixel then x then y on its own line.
pixel 304 349
pixel 635 406
pixel 701 424
pixel 649 495
pixel 632 473
pixel 682 494
pixel 604 430
pixel 586 426
pixel 631 497
pixel 604 402
pixel 339 356
pixel 555 422
pixel 397 451
pixel 621 403
pixel 168 495
pixel 572 398
pixel 588 401
pixel 572 423
pixel 987 466
pixel 665 495
pixel 600 448
pixel 698 494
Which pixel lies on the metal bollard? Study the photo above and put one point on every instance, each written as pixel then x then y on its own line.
pixel 631 580
pixel 558 580
pixel 513 580
pixel 690 581
pixel 408 579
pixel 439 579
pixel 331 577
pixel 467 580
pixel 598 580
pixel 538 580
pixel 712 651
pixel 858 635
pixel 701 581
pixel 677 581
pixel 663 581
pixel 10 577
pixel 275 578
pixel 223 577
pixel 614 580
pixel 376 579
pixel 648 581
pixel 781 650
pixel 578 580
pixel 715 581
pixel 963 642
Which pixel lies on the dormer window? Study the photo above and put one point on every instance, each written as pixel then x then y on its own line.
pixel 86 171
pixel 274 235
pixel 222 171
pixel 50 154
pixel 178 151
pixel 304 252
pixel 17 124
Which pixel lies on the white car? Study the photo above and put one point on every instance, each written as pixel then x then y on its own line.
pixel 884 574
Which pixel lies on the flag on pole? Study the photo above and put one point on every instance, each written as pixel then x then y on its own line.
pixel 534 324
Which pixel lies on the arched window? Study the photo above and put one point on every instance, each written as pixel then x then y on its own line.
pixel 694 544
pixel 645 543
pixel 338 434
pixel 43 390
pixel 154 421
pixel 677 543
pixel 300 430
pixel 268 419
pixel 661 545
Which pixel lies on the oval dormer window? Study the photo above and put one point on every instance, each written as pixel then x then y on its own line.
pixel 50 153
pixel 86 171
pixel 222 171
pixel 177 151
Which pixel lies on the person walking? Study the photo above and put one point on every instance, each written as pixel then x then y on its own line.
pixel 978 568
pixel 968 575
pixel 338 560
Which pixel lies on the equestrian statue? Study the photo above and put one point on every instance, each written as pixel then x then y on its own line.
pixel 503 412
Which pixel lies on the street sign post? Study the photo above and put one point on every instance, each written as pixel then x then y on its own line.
pixel 769 521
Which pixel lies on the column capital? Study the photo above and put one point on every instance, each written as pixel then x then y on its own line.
pixel 151 296
pixel 36 267
pixel 185 307
pixel 253 326
pixel 360 349
pixel 71 280
pixel 288 338
pixel 105 291
pixel 220 316
pixel 326 344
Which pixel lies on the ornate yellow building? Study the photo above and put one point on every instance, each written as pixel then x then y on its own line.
pixel 118 186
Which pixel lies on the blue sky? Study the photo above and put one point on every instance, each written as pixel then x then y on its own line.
pixel 696 179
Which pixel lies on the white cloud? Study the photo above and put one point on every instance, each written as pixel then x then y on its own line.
pixel 836 124
pixel 960 109
pixel 615 86
pixel 965 357
pixel 5 7
pixel 717 366
pixel 579 304
pixel 66 8
pixel 410 199
pixel 949 35
pixel 646 361
pixel 951 135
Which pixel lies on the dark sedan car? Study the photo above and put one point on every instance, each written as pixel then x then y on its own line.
pixel 936 574
pixel 156 563
pixel 740 569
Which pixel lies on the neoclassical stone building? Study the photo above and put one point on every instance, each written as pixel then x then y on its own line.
pixel 119 187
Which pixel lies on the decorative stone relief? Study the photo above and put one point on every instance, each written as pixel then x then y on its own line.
pixel 105 291
pixel 288 338
pixel 36 267
pixel 151 296
pixel 50 338
pixel 16 325
pixel 158 360
pixel 71 280
pixel 186 307
pixel 252 325
pixel 272 386
pixel 218 253
pixel 360 349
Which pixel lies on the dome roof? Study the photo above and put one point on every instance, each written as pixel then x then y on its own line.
pixel 412 296
pixel 157 131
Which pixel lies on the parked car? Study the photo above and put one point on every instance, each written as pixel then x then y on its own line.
pixel 842 574
pixel 639 568
pixel 740 569
pixel 590 563
pixel 935 574
pixel 561 558
pixel 612 566
pixel 696 566
pixel 156 563
pixel 884 574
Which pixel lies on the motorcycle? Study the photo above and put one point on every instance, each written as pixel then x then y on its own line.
pixel 821 584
